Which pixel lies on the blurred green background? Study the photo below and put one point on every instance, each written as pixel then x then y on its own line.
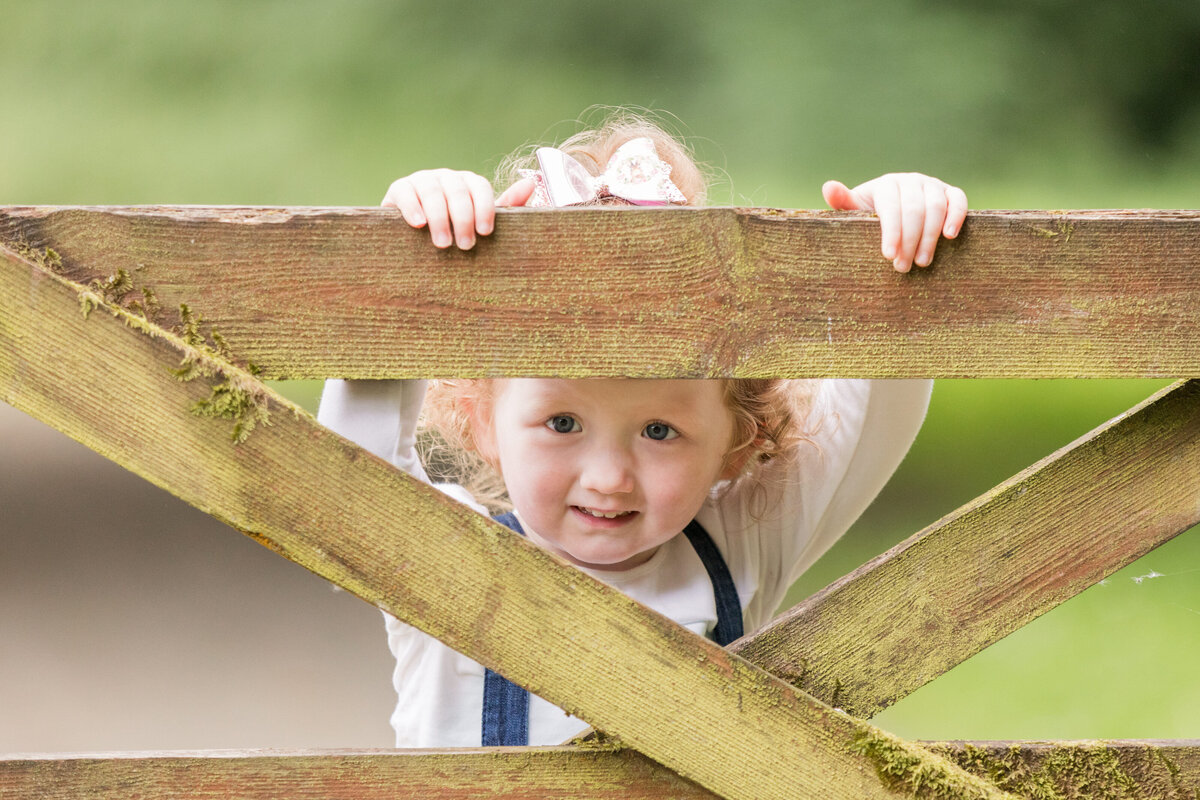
pixel 1040 104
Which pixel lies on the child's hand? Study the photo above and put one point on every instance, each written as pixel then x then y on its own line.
pixel 452 201
pixel 913 210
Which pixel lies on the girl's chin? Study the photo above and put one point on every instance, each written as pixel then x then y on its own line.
pixel 593 548
pixel 607 559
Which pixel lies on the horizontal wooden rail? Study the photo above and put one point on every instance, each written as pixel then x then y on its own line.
pixel 548 773
pixel 311 293
pixel 1168 770
pixel 1091 770
pixel 997 563
pixel 111 381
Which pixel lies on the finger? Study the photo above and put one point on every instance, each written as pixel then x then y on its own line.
pixel 432 197
pixel 461 206
pixel 482 202
pixel 912 221
pixel 885 196
pixel 956 211
pixel 401 195
pixel 839 197
pixel 518 194
pixel 936 205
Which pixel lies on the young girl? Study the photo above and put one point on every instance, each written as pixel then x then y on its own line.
pixel 702 499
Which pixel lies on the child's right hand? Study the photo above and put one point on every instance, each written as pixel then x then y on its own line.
pixel 455 204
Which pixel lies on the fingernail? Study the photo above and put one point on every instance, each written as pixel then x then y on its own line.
pixel 441 240
pixel 889 251
pixel 466 242
pixel 923 259
pixel 900 265
pixel 485 229
pixel 418 220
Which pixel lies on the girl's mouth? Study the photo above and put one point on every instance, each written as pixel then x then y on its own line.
pixel 597 514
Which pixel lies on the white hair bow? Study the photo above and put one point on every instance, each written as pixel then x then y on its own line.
pixel 634 173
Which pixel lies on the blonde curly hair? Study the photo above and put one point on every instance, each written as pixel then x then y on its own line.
pixel 593 148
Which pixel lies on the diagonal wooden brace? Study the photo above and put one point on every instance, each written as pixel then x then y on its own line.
pixel 105 378
pixel 995 564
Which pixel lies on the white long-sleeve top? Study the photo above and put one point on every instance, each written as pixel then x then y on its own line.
pixel 864 430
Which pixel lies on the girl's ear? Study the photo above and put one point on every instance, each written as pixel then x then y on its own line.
pixel 477 409
pixel 735 461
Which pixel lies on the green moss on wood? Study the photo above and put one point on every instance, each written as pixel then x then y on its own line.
pixel 238 398
pixel 148 307
pixel 1061 228
pixel 45 257
pixel 110 291
pixel 1077 771
pixel 907 769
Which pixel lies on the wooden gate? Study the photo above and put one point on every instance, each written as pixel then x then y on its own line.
pixel 145 333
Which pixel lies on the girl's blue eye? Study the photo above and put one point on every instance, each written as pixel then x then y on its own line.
pixel 563 424
pixel 660 431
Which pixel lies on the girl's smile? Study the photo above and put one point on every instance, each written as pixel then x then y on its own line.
pixel 608 516
pixel 603 472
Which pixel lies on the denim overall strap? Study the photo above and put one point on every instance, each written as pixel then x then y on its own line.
pixel 729 605
pixel 506 705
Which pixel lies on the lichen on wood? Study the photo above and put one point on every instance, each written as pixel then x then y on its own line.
pixel 45 257
pixel 236 394
pixel 109 291
pixel 1086 770
pixel 238 397
pixel 906 768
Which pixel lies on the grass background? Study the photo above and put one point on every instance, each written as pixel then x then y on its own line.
pixel 307 103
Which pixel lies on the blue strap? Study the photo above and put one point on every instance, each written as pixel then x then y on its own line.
pixel 505 712
pixel 729 606
pixel 506 705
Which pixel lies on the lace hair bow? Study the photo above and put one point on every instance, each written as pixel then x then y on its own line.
pixel 634 173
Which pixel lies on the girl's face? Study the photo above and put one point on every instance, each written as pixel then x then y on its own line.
pixel 604 471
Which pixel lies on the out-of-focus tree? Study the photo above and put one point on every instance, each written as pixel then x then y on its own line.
pixel 1138 64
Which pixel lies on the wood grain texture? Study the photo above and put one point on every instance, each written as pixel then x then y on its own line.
pixel 355 520
pixel 552 773
pixel 997 563
pixel 1087 770
pixel 709 292
pixel 1168 770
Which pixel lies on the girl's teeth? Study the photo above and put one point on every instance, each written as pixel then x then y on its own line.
pixel 611 515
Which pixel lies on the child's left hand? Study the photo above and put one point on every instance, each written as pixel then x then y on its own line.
pixel 913 210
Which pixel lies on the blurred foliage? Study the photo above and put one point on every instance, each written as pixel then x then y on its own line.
pixel 1137 65
pixel 1026 104
pixel 1043 104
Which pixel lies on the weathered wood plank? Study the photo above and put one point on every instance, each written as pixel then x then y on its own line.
pixel 561 773
pixel 1169 770
pixel 328 505
pixel 997 563
pixel 310 292
pixel 1095 770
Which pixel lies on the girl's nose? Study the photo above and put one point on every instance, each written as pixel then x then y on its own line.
pixel 608 471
